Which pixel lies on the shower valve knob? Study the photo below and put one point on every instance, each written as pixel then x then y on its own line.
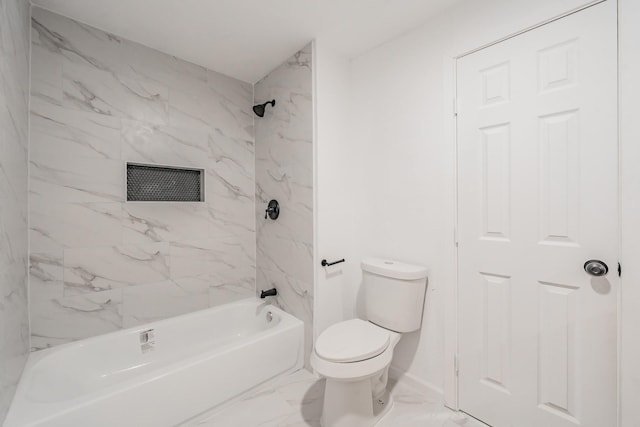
pixel 273 210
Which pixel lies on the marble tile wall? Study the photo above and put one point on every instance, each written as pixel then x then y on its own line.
pixel 97 263
pixel 284 171
pixel 14 131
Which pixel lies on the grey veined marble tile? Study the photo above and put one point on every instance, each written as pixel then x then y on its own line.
pixel 296 400
pixel 165 145
pixel 104 268
pixel 14 117
pixel 60 320
pixel 62 133
pixel 97 102
pixel 57 226
pixel 82 44
pixel 101 92
pixel 175 222
pixel 151 302
pixel 65 179
pixel 46 76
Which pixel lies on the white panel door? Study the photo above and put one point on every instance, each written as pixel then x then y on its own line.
pixel 538 192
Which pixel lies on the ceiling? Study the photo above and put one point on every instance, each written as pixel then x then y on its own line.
pixel 246 39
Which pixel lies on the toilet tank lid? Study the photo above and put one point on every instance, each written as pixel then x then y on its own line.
pixel 394 269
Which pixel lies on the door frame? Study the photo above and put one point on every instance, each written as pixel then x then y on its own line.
pixel 451 321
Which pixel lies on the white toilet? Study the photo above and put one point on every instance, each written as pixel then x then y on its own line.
pixel 355 355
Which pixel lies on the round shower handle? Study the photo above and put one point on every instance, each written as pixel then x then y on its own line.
pixel 273 210
pixel 596 268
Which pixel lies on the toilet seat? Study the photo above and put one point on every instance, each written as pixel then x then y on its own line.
pixel 353 340
pixel 354 371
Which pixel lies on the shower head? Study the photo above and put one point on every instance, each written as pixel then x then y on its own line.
pixel 259 109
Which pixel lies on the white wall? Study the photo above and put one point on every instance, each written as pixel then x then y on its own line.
pixel 405 206
pixel 401 122
pixel 476 23
pixel 629 16
pixel 336 182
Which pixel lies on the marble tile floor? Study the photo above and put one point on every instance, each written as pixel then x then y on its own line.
pixel 295 400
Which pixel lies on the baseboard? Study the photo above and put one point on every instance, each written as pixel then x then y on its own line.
pixel 424 387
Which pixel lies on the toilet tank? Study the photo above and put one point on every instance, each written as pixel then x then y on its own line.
pixel 394 293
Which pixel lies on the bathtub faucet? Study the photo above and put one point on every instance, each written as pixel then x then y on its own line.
pixel 269 293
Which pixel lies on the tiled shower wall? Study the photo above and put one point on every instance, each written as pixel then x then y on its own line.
pixel 284 171
pixel 99 264
pixel 14 130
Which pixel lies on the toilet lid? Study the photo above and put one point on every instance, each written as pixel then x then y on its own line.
pixel 352 341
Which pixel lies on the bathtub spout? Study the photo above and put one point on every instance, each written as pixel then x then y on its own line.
pixel 268 293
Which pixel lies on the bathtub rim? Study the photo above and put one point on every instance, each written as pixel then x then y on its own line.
pixel 36 355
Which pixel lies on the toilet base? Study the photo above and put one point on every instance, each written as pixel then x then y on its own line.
pixel 351 404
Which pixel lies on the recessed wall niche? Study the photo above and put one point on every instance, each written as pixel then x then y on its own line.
pixel 155 183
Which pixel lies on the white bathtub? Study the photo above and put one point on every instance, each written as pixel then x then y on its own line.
pixel 197 361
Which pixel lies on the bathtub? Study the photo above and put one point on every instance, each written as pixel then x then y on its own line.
pixel 159 374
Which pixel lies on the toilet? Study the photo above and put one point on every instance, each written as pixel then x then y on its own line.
pixel 354 356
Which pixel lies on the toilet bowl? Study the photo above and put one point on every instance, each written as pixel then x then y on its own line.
pixel 355 355
pixel 356 372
